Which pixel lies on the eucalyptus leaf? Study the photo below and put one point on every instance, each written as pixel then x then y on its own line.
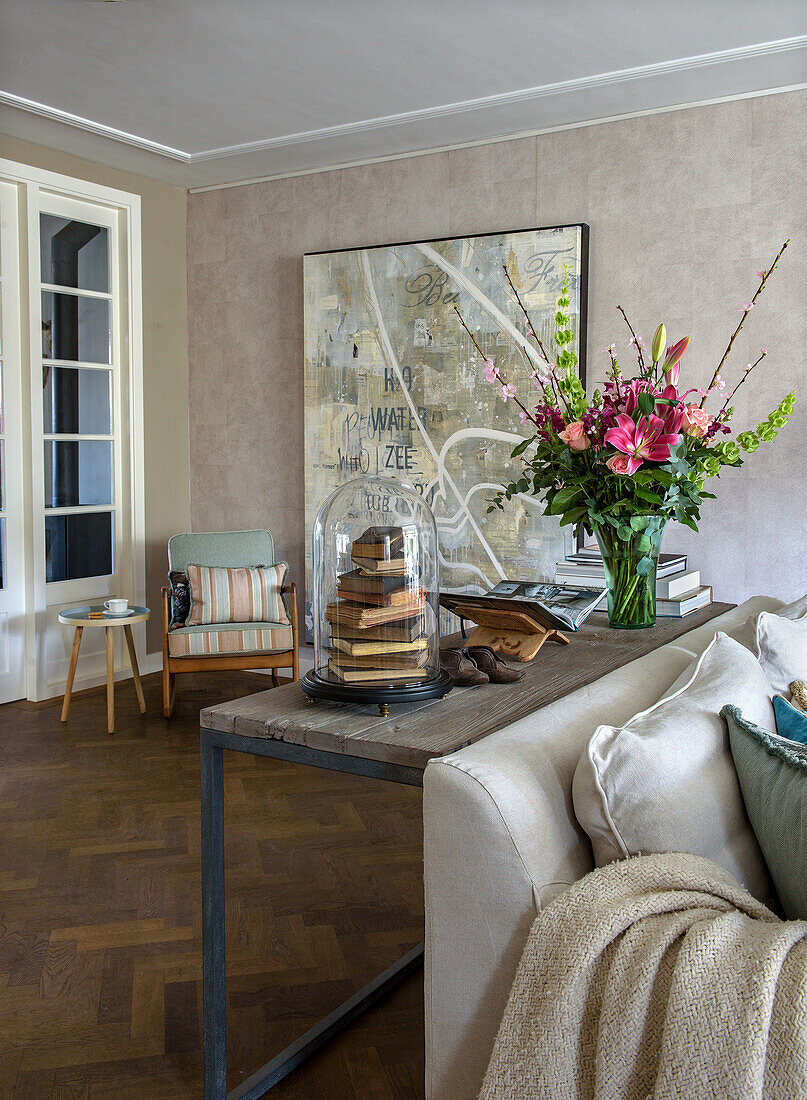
pixel 644 566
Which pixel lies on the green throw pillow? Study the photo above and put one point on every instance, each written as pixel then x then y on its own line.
pixel 773 778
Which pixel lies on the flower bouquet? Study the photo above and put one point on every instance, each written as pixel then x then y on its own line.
pixel 636 454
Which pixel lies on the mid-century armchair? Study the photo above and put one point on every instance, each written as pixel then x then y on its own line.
pixel 230 645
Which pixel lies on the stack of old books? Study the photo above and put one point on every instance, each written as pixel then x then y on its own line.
pixel 379 623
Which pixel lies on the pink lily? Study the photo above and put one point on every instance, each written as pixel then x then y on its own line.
pixel 672 360
pixel 631 393
pixel 672 415
pixel 646 441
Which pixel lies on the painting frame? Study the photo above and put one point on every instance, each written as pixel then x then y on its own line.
pixel 331 276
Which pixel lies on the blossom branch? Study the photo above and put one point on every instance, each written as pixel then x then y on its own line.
pixel 557 394
pixel 499 377
pixel 748 370
pixel 750 305
pixel 636 340
pixel 530 327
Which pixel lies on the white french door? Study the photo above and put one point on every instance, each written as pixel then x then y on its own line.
pixel 12 524
pixel 81 414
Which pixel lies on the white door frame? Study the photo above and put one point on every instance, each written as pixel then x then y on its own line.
pixel 13 645
pixel 37 184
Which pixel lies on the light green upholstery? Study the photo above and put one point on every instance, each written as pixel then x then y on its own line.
pixel 230 549
pixel 227 549
pixel 230 638
pixel 206 628
pixel 225 645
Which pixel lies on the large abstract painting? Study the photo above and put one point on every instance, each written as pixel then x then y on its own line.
pixel 393 385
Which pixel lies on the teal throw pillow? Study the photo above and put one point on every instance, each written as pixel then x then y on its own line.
pixel 790 723
pixel 773 778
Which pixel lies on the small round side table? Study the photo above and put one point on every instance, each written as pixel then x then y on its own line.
pixel 79 617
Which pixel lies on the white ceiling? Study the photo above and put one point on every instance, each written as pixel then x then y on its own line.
pixel 198 92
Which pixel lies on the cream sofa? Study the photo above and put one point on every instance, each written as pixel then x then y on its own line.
pixel 501 840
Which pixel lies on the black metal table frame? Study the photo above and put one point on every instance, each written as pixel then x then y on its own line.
pixel 213 744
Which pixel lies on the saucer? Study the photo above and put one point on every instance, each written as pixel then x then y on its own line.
pixel 118 614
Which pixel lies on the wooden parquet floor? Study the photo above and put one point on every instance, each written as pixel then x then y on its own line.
pixel 100 908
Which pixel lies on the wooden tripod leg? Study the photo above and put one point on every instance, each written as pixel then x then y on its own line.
pixel 110 679
pixel 127 630
pixel 71 672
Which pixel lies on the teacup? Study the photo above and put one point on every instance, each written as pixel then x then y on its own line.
pixel 116 606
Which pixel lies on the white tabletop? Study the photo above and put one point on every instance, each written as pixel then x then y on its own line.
pixel 79 616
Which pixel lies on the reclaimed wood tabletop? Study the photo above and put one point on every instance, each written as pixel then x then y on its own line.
pixel 414 733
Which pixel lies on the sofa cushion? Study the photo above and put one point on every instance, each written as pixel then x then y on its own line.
pixel 240 595
pixel 773 778
pixel 782 649
pixel 665 780
pixel 196 641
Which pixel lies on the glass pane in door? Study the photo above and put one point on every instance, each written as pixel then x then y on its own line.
pixel 74 253
pixel 78 472
pixel 78 546
pixel 76 328
pixel 2 554
pixel 75 401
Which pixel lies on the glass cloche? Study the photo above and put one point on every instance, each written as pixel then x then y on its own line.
pixel 376 586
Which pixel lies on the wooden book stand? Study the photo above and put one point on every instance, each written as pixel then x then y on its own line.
pixel 510 632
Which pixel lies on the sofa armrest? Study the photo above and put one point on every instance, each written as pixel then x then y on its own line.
pixel 500 841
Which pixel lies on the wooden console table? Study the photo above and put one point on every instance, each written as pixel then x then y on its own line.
pixel 283 723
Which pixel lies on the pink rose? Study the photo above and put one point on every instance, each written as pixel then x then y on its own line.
pixel 619 464
pixel 574 435
pixel 696 421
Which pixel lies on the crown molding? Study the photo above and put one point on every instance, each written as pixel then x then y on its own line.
pixel 515 136
pixel 504 99
pixel 54 114
pixel 492 104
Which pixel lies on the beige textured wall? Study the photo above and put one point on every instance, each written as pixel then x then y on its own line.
pixel 684 207
pixel 165 350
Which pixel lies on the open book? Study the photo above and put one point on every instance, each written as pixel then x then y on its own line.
pixel 553 606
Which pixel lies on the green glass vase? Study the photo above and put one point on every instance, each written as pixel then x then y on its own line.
pixel 630 555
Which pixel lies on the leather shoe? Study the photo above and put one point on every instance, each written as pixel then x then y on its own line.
pixel 489 662
pixel 461 668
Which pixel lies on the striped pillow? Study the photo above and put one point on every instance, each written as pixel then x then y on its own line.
pixel 252 595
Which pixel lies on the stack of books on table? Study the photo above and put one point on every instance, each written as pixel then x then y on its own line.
pixel 678 589
pixel 379 623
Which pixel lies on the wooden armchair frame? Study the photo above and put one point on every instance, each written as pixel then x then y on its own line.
pixel 222 662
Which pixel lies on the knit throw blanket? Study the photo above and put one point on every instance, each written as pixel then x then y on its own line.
pixel 656 978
